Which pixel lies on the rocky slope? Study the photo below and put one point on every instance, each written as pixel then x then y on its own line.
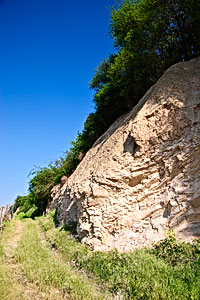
pixel 142 176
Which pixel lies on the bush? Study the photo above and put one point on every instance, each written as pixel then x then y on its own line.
pixel 174 252
pixel 32 212
pixel 21 216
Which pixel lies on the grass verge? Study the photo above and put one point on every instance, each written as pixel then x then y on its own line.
pixel 142 274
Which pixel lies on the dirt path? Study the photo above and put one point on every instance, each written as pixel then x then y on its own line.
pixel 25 290
pixel 12 239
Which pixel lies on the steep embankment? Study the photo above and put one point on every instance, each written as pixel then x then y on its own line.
pixel 142 176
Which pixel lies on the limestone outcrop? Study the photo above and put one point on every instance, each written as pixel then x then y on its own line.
pixel 142 176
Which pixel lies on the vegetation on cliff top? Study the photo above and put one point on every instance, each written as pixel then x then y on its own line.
pixel 149 37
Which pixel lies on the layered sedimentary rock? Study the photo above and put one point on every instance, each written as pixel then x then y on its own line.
pixel 142 177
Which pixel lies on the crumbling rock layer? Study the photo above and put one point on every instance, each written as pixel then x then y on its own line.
pixel 142 177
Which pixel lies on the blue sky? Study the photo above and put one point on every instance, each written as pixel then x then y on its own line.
pixel 49 50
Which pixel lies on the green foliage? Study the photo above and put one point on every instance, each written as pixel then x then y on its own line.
pixel 174 252
pixel 70 227
pixel 31 213
pixel 21 216
pixel 40 186
pixel 48 221
pixel 23 213
pixel 19 201
pixel 101 77
pixel 73 249
pixel 168 31
pixel 150 36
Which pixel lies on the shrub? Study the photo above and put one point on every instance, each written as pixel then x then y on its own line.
pixel 175 252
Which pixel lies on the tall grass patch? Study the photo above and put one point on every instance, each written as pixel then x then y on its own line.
pixel 168 271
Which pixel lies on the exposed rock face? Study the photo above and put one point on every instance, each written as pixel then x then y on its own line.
pixel 142 176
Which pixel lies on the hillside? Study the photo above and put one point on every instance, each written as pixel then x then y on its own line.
pixel 117 217
pixel 141 177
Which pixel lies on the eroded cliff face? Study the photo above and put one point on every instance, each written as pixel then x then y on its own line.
pixel 142 176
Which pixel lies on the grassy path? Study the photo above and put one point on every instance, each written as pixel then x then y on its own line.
pixel 14 284
pixel 29 269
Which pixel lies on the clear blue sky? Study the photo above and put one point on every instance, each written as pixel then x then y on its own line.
pixel 49 50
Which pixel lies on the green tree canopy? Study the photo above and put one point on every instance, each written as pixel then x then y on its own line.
pixel 149 36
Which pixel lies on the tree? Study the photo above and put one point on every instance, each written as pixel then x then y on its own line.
pixel 167 31
pixel 40 187
pixel 150 36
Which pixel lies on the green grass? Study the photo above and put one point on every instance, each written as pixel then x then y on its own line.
pixel 142 274
pixel 41 266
